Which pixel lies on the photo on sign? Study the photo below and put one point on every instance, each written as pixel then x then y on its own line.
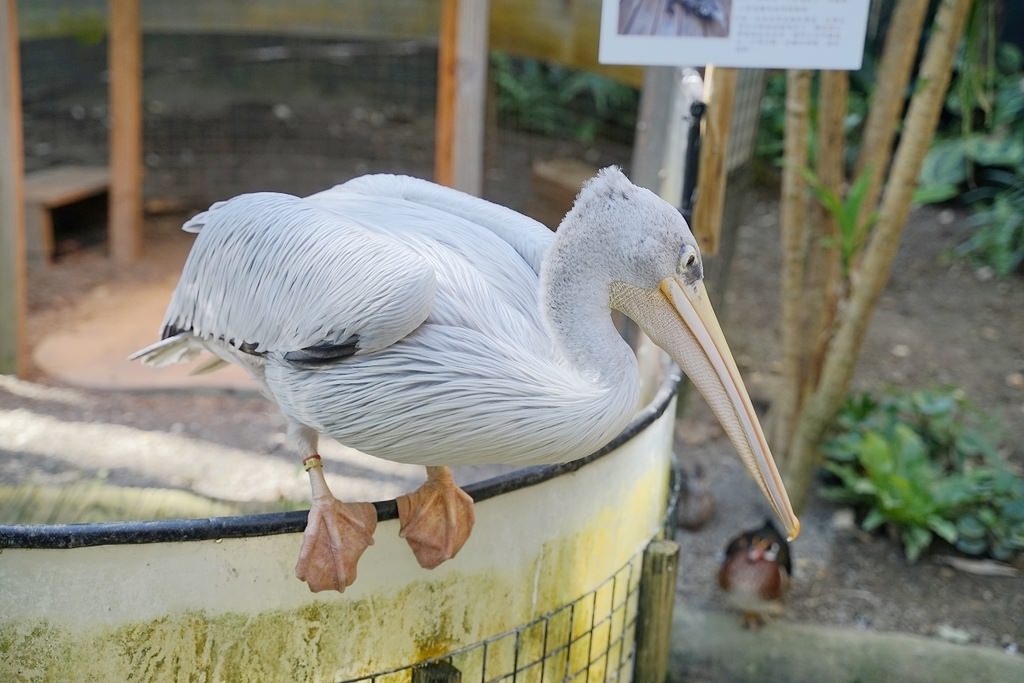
pixel 680 18
pixel 759 34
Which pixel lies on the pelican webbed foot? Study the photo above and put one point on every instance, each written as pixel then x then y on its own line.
pixel 336 536
pixel 436 518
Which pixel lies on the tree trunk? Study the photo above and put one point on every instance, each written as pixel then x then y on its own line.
pixel 824 284
pixel 901 40
pixel 793 219
pixel 870 278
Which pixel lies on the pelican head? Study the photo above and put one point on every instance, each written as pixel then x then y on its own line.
pixel 641 245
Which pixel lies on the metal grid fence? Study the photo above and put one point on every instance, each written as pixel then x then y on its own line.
pixel 589 640
pixel 227 110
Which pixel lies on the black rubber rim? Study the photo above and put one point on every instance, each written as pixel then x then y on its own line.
pixel 58 536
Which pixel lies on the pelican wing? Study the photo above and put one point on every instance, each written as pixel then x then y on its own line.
pixel 529 238
pixel 486 258
pixel 275 274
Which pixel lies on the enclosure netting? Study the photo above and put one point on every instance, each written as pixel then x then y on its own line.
pixel 589 640
pixel 339 90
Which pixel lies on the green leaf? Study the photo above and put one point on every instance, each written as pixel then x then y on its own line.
pixel 946 163
pixel 1013 511
pixel 971 443
pixel 874 519
pixel 915 540
pixel 864 487
pixel 838 494
pixel 935 193
pixel 972 546
pixel 944 529
pixel 875 454
pixel 988 517
pixel 1002 551
pixel 994 150
pixel 843 448
pixel 970 526
pixel 934 403
pixel 846 474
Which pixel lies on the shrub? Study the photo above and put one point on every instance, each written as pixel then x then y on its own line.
pixel 923 463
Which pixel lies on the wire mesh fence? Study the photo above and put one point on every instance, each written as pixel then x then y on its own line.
pixel 229 108
pixel 541 111
pixel 588 640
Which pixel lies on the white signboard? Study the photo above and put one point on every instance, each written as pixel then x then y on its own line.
pixel 783 34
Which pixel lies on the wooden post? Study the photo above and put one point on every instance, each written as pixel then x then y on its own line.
pixel 13 348
pixel 461 90
pixel 125 59
pixel 719 92
pixel 438 672
pixel 654 615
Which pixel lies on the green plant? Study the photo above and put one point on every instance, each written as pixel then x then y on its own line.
pixel 998 238
pixel 556 101
pixel 980 158
pixel 923 463
pixel 846 212
pixel 772 124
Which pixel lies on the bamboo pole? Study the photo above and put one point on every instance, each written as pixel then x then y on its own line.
pixel 13 269
pixel 654 615
pixel 461 95
pixel 901 42
pixel 873 272
pixel 125 59
pixel 793 218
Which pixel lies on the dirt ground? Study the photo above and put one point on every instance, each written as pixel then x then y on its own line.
pixel 940 321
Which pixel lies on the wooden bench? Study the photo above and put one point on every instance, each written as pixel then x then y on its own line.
pixel 53 188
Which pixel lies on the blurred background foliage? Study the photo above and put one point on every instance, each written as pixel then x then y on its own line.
pixel 977 160
pixel 547 98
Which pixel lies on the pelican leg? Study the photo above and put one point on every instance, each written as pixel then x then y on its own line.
pixel 436 518
pixel 336 535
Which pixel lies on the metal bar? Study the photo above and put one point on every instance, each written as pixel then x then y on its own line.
pixel 515 656
pixel 544 649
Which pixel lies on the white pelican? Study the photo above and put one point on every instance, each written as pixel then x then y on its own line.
pixel 423 325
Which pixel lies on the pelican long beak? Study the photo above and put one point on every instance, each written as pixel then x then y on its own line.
pixel 700 349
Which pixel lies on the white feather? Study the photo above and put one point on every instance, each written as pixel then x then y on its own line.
pixel 482 338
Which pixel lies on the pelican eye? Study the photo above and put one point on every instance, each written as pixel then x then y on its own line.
pixel 689 267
